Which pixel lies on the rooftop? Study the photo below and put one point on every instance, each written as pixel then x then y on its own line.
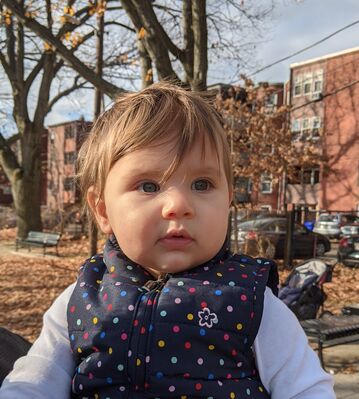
pixel 324 57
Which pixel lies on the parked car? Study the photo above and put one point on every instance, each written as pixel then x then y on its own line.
pixel 350 229
pixel 329 224
pixel 348 251
pixel 306 244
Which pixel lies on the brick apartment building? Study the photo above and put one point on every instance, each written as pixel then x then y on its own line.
pixel 60 144
pixel 324 96
pixel 64 142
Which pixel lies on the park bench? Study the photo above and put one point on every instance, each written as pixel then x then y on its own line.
pixel 330 331
pixel 39 239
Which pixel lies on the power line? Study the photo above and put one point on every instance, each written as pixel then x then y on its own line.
pixel 304 49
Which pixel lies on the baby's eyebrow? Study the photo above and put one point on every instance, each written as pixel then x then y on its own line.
pixel 206 170
pixel 145 172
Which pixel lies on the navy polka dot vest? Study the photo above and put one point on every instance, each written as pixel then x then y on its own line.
pixel 187 335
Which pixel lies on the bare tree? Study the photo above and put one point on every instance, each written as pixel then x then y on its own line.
pixel 30 68
pixel 174 37
pixel 260 135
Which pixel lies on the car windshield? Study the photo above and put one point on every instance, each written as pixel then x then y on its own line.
pixel 328 218
pixel 263 224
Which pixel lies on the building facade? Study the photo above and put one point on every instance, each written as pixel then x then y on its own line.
pixel 64 142
pixel 59 148
pixel 324 97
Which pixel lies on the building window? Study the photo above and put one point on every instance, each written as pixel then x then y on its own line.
pixel 266 183
pixel 52 136
pixel 70 131
pixel 316 125
pixel 69 184
pixel 296 127
pixel 6 190
pixel 318 81
pixel 310 176
pixel 307 84
pixel 306 129
pixel 297 86
pixel 305 176
pixel 249 186
pixel 271 102
pixel 295 177
pixel 306 133
pixel 69 158
pixel 315 177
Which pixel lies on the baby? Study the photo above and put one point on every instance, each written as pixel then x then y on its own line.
pixel 167 311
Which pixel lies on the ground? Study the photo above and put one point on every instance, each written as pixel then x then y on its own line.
pixel 29 284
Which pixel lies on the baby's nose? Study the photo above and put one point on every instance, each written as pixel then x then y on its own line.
pixel 177 204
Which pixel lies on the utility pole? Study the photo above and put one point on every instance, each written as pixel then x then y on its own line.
pixel 288 250
pixel 98 104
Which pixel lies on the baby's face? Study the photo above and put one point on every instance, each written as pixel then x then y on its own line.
pixel 171 226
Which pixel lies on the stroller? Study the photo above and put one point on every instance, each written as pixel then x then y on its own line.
pixel 303 290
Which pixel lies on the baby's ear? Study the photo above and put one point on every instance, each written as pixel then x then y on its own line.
pixel 98 208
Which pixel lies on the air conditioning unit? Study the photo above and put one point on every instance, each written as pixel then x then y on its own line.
pixel 316 96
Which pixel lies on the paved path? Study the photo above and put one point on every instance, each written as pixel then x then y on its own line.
pixel 346 385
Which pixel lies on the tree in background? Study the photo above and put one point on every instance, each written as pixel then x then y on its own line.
pixel 31 66
pixel 174 41
pixel 260 139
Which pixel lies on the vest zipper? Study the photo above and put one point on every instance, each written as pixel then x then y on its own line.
pixel 153 288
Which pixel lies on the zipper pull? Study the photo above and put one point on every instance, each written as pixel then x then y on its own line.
pixel 157 284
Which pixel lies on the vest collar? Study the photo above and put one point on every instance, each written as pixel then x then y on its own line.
pixel 118 263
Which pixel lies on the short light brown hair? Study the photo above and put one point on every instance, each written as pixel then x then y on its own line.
pixel 162 112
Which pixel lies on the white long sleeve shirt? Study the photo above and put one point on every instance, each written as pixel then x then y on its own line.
pixel 288 367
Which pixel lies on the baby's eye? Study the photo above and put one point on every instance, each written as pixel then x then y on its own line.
pixel 201 185
pixel 148 187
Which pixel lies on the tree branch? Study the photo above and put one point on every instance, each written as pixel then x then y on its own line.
pixel 107 87
pixel 8 159
pixel 136 11
pixel 8 70
pixel 150 22
pixel 64 93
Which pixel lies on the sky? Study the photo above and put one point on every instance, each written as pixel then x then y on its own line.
pixel 298 24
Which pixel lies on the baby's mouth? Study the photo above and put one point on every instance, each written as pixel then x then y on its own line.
pixel 176 239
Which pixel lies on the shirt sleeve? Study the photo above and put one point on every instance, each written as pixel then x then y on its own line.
pixel 288 367
pixel 46 371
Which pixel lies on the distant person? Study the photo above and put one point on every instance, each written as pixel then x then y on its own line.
pixel 167 311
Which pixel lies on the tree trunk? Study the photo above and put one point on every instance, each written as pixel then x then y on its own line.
pixel 26 195
pixel 146 65
pixel 93 229
pixel 187 40
pixel 200 57
pixel 26 183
